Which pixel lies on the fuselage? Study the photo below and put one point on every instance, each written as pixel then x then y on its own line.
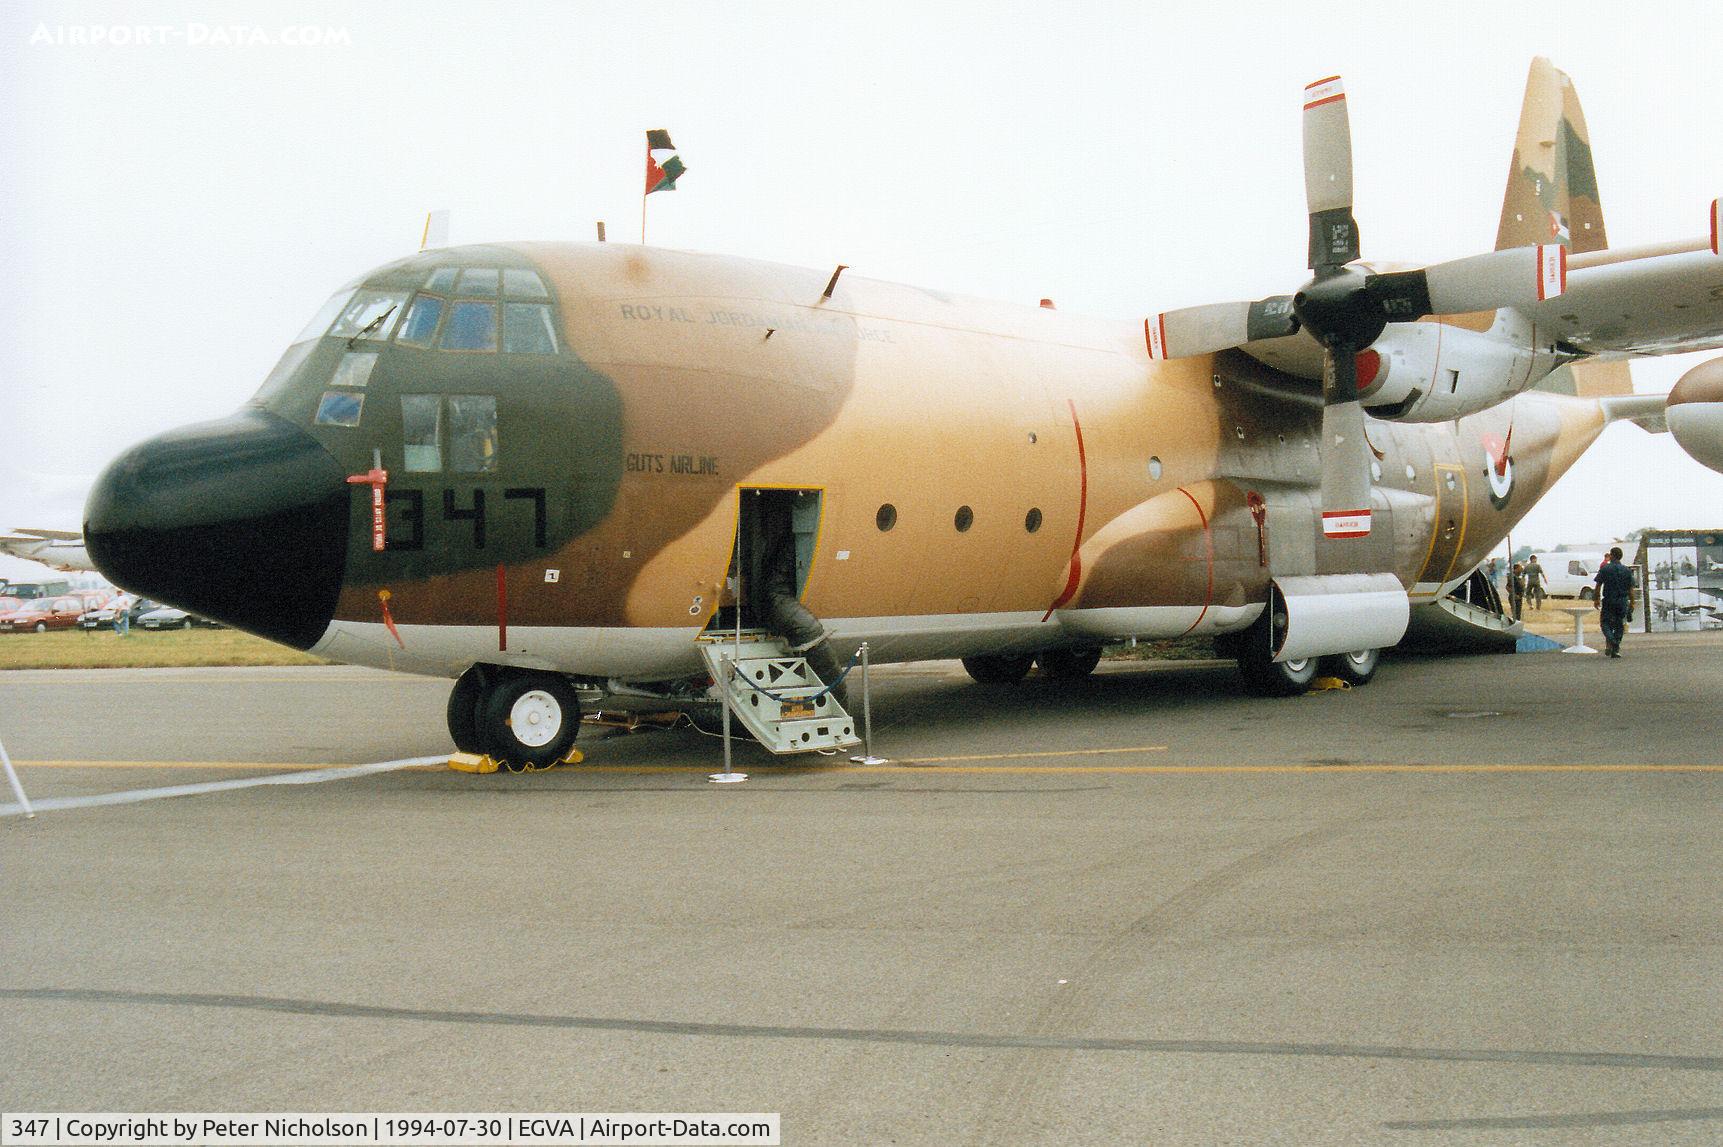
pixel 563 439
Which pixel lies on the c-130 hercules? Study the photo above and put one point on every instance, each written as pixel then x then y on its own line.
pixel 540 467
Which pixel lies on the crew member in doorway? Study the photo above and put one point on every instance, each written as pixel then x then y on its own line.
pixel 791 619
pixel 1614 600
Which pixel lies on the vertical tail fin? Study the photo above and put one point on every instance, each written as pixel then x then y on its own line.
pixel 1552 197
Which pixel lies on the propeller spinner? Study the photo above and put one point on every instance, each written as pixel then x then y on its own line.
pixel 1345 308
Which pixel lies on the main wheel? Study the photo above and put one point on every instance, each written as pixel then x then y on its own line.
pixel 998 668
pixel 1068 664
pixel 1353 668
pixel 530 719
pixel 1263 675
pixel 464 701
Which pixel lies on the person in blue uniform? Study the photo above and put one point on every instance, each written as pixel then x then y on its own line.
pixel 1614 600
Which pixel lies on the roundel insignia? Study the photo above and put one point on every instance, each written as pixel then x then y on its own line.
pixel 1499 471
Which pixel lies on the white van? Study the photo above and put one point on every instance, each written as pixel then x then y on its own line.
pixel 1570 573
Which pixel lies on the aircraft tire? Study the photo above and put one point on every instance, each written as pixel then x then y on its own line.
pixel 1353 668
pixel 463 713
pixel 1267 678
pixel 1068 664
pixel 529 720
pixel 998 668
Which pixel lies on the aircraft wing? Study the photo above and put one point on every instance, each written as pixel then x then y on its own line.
pixel 1645 301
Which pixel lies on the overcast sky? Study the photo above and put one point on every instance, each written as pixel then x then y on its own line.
pixel 175 210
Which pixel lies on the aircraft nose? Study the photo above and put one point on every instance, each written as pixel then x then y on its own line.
pixel 242 520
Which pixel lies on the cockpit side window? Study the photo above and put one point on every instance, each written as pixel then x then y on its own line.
pixel 371 315
pixel 472 433
pixel 527 329
pixel 325 315
pixel 340 408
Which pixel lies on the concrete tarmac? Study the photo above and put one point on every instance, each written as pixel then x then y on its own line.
pixel 1476 901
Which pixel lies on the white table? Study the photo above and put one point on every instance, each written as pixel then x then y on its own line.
pixel 1579 613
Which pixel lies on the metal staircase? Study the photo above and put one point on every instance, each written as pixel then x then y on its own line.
pixel 776 696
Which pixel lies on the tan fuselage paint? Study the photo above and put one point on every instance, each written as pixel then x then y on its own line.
pixel 737 374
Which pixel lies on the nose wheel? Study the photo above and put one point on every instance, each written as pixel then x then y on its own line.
pixel 526 719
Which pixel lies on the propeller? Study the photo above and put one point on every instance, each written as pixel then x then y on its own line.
pixel 1345 307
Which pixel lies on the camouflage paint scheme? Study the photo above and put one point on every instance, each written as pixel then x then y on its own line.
pixel 1164 495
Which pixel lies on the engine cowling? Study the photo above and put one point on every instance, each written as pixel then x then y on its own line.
pixel 1694 411
pixel 1434 372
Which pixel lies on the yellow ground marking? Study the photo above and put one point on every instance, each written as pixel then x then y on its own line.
pixel 289 766
pixel 927 765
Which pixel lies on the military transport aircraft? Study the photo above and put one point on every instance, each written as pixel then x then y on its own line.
pixel 570 473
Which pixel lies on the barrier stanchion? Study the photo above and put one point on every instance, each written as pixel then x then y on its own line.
pixel 727 670
pixel 867 757
pixel 17 789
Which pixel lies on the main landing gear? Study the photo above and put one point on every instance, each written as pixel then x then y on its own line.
pixel 523 717
pixel 1254 648
pixel 1056 665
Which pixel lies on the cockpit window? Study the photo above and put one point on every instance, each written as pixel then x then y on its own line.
pixel 527 329
pixel 421 425
pixel 517 281
pixel 442 279
pixel 339 408
pixel 471 326
pixel 371 315
pixel 325 315
pixel 472 433
pixel 478 281
pixel 421 324
pixel 354 369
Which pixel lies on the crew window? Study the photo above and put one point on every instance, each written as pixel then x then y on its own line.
pixel 520 282
pixel 325 315
pixel 339 408
pixel 354 369
pixel 421 324
pixel 442 279
pixel 421 433
pixel 478 281
pixel 471 326
pixel 371 315
pixel 472 433
pixel 527 329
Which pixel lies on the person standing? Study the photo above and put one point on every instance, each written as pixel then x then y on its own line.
pixel 1516 588
pixel 1535 582
pixel 1614 600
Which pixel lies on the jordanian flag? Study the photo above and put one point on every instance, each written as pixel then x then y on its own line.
pixel 661 176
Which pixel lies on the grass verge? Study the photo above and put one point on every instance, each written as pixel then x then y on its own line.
pixel 143 649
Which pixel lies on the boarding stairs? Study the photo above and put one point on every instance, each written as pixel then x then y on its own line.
pixel 775 695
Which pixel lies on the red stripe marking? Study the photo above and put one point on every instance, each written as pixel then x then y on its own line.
pixel 1329 100
pixel 1076 574
pixel 1714 250
pixel 1319 83
pixel 1208 545
pixel 502 610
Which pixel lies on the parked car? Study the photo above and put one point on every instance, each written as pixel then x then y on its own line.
pixel 170 617
pixel 103 616
pixel 42 614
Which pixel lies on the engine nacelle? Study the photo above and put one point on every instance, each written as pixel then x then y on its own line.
pixel 1694 411
pixel 1432 372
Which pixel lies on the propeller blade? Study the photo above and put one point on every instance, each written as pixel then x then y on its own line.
pixel 1345 451
pixel 1516 277
pixel 1218 326
pixel 1328 175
